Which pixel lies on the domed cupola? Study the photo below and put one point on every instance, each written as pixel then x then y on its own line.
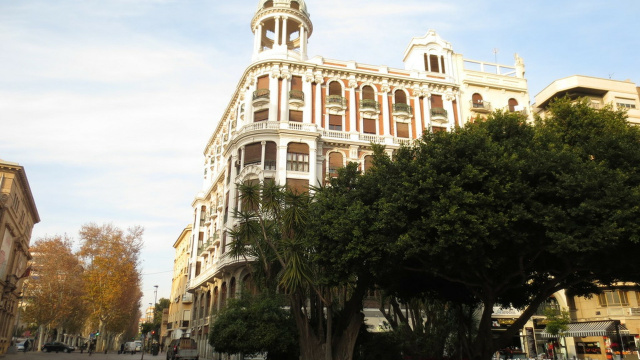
pixel 281 29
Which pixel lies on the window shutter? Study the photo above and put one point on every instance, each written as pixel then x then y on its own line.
pixel 335 120
pixel 261 115
pixel 295 115
pixel 298 148
pixel 253 153
pixel 403 130
pixel 263 82
pixel 369 126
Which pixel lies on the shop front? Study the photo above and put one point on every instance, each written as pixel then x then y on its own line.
pixel 596 340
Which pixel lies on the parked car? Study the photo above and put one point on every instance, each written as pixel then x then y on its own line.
pixel 138 345
pixel 130 347
pixel 20 345
pixel 57 347
pixel 182 349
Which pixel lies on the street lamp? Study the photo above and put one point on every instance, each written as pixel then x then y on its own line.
pixel 155 298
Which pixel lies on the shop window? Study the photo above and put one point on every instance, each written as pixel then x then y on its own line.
pixel 335 122
pixel 298 157
pixel 613 298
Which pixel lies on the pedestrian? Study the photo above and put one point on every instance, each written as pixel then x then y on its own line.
pixel 121 349
pixel 26 345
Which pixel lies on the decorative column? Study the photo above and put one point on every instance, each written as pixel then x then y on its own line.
pixel 353 84
pixel 386 117
pixel 276 38
pixel 281 177
pixel 319 80
pixel 284 32
pixel 284 101
pixel 308 97
pixel 303 42
pixel 273 93
pixel 257 41
pixel 313 154
pixel 262 156
pixel 448 105
pixel 417 113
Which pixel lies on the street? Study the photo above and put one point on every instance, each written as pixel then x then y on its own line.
pixel 32 355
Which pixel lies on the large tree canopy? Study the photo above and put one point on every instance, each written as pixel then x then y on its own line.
pixel 509 213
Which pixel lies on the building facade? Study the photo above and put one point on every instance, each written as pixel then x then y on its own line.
pixel 295 120
pixel 179 312
pixel 600 92
pixel 18 215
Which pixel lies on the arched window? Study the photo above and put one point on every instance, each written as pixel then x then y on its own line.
pixel 215 299
pixel 368 162
pixel 223 295
pixel 295 5
pixel 513 103
pixel 232 288
pixel 335 163
pixel 368 93
pixel 477 100
pixel 335 88
pixel 400 97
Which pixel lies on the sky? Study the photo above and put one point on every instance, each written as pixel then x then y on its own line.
pixel 109 104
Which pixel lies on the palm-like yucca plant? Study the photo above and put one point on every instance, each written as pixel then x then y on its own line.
pixel 268 223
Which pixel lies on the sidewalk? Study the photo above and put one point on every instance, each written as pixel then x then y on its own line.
pixel 33 355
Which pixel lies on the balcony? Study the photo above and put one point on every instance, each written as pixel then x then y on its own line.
pixel 480 106
pixel 439 114
pixel 404 110
pixel 296 98
pixel 369 107
pixel 336 102
pixel 260 98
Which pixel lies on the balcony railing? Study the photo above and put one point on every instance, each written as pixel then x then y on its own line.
pixel 296 95
pixel 402 108
pixel 480 106
pixel 438 112
pixel 261 94
pixel 369 105
pixel 336 101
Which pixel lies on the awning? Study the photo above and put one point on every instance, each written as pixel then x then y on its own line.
pixel 589 328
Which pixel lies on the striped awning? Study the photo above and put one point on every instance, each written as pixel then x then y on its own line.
pixel 589 328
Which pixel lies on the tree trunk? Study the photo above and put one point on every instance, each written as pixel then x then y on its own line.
pixel 41 336
pixel 483 344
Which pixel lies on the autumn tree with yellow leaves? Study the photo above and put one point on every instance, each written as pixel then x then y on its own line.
pixel 111 278
pixel 54 292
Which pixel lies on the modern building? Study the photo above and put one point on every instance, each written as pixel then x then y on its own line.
pixel 620 94
pixel 295 120
pixel 18 215
pixel 179 312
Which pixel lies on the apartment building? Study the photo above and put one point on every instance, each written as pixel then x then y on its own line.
pixel 619 94
pixel 18 215
pixel 179 312
pixel 295 120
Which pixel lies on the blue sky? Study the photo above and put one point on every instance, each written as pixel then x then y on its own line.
pixel 108 104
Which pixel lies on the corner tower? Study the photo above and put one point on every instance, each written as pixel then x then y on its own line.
pixel 281 29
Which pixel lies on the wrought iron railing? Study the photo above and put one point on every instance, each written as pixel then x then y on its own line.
pixel 400 107
pixel 296 95
pixel 261 94
pixel 438 111
pixel 368 104
pixel 336 100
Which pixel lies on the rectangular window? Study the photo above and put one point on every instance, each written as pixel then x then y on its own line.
pixel 435 63
pixel 626 105
pixel 369 126
pixel 403 130
pixel 335 122
pixel 261 115
pixel 252 154
pixel 613 298
pixel 298 162
pixel 295 115
pixel 263 82
pixel 296 83
pixel 436 101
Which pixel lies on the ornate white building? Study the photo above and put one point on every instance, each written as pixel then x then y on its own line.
pixel 295 120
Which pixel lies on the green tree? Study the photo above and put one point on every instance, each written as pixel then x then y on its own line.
pixel 254 325
pixel 157 315
pixel 509 213
pixel 320 252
